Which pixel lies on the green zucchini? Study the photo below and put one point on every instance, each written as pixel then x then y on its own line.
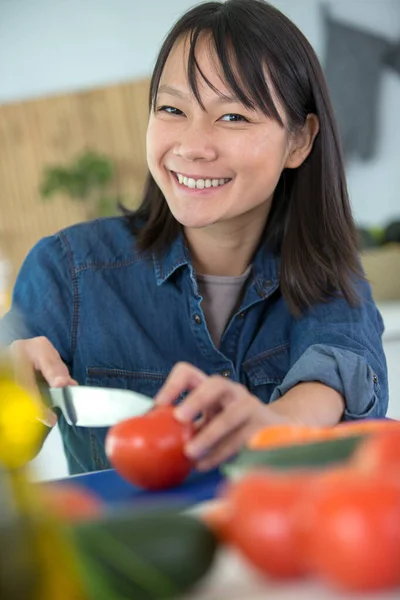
pixel 314 455
pixel 143 556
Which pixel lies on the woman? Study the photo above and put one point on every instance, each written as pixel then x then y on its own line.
pixel 236 286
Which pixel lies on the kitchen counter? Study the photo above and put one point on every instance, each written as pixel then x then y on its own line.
pixel 232 579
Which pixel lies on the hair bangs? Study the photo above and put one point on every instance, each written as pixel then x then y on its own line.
pixel 236 60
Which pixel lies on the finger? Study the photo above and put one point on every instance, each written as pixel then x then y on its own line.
pixel 208 395
pixel 226 449
pixel 234 417
pixel 25 375
pixel 183 377
pixel 30 356
pixel 206 416
pixel 47 360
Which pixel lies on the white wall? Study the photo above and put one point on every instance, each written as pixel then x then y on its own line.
pixel 53 46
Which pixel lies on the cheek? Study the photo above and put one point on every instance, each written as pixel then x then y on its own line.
pixel 151 142
pixel 266 155
pixel 156 142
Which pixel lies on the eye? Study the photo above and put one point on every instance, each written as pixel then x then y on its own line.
pixel 170 110
pixel 234 118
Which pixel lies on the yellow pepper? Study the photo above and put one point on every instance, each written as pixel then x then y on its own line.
pixel 21 431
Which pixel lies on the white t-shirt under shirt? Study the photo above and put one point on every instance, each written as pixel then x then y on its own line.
pixel 221 298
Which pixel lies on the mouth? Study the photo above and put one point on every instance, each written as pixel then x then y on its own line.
pixel 200 183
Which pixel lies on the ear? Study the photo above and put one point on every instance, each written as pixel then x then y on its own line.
pixel 302 142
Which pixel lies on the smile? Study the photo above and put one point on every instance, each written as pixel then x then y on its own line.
pixel 200 183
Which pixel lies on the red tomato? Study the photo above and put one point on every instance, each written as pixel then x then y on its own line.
pixel 379 453
pixel 148 451
pixel 306 507
pixel 70 502
pixel 355 536
pixel 263 521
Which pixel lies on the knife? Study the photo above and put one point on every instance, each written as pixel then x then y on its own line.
pixel 87 406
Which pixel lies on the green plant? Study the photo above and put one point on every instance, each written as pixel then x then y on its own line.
pixel 86 179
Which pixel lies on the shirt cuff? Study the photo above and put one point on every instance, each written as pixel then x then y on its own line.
pixel 343 370
pixel 12 328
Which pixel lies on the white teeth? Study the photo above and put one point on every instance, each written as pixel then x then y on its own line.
pixel 199 184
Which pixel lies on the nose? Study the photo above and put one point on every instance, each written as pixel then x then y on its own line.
pixel 195 143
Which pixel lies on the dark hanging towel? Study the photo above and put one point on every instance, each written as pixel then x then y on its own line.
pixel 393 58
pixel 353 66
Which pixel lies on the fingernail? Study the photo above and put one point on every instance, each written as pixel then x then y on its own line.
pixel 193 451
pixel 203 466
pixel 158 399
pixel 51 419
pixel 60 381
pixel 182 413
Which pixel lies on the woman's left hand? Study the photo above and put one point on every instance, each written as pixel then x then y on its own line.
pixel 230 414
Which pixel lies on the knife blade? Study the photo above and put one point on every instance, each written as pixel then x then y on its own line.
pixel 87 406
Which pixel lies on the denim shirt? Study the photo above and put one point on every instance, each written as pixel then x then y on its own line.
pixel 122 318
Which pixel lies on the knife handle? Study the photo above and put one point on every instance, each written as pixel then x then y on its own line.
pixel 44 391
pixel 43 388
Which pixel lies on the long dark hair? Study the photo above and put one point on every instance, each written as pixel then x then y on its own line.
pixel 310 225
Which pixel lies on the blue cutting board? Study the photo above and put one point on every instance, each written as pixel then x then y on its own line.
pixel 112 489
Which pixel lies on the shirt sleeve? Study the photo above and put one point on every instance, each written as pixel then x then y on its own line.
pixel 43 300
pixel 341 347
pixel 346 372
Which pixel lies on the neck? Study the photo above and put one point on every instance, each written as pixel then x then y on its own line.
pixel 224 250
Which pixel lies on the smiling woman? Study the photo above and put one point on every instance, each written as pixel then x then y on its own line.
pixel 197 119
pixel 240 261
pixel 239 150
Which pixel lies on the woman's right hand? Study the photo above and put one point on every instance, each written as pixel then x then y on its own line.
pixel 38 355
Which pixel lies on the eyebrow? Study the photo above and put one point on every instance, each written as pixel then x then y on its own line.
pixel 172 91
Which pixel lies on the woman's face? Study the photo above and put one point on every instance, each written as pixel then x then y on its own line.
pixel 218 165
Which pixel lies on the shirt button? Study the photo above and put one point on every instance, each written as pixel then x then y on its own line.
pixel 226 373
pixel 197 319
pixel 375 378
pixel 242 314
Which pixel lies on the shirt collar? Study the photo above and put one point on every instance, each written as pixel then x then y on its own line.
pixel 170 260
pixel 265 269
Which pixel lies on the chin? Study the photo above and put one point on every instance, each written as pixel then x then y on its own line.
pixel 192 221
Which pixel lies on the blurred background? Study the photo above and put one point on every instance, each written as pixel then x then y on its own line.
pixel 73 114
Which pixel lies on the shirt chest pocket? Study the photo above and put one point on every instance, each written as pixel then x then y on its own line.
pixel 266 370
pixel 144 382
